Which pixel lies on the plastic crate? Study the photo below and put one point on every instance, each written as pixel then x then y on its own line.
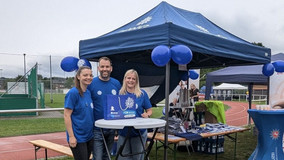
pixel 210 145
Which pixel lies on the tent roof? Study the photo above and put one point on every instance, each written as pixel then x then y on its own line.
pixel 240 74
pixel 275 57
pixel 230 86
pixel 169 25
pixel 130 46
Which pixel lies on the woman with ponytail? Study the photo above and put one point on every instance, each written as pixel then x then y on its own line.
pixel 78 115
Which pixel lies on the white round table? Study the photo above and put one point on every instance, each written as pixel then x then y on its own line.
pixel 137 123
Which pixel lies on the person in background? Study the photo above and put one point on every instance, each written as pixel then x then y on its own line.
pixel 78 115
pixel 143 109
pixel 177 111
pixel 194 93
pixel 99 88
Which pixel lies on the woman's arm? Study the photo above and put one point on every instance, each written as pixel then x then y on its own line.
pixel 68 125
pixel 148 113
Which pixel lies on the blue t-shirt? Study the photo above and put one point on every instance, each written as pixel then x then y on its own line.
pixel 82 116
pixel 142 103
pixel 99 89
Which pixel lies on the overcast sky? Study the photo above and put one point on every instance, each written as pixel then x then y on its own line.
pixel 53 28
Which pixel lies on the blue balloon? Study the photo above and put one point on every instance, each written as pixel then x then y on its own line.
pixel 268 69
pixel 69 64
pixel 192 74
pixel 279 66
pixel 83 62
pixel 161 55
pixel 181 54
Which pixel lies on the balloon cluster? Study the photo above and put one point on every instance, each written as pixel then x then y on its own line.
pixel 69 64
pixel 269 68
pixel 180 54
pixel 162 54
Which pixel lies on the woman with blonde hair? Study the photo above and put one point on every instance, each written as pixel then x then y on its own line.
pixel 143 109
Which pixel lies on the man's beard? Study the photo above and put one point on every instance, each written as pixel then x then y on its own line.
pixel 105 76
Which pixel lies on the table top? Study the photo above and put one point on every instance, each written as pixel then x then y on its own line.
pixel 137 123
pixel 205 135
pixel 171 138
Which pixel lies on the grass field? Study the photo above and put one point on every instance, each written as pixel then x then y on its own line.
pixel 246 142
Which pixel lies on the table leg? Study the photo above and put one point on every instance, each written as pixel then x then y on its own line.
pixel 235 146
pixel 109 157
pixel 187 147
pixel 36 149
pixel 45 153
pixel 216 153
pixel 128 138
pixel 35 152
pixel 234 140
pixel 151 143
pixel 175 149
pixel 156 150
pixel 144 149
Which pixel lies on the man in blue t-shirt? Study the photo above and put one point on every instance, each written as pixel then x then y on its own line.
pixel 99 88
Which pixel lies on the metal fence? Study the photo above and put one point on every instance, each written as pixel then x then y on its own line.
pixel 239 97
pixel 40 113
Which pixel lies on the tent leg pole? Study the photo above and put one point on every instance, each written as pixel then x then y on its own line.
pixel 250 88
pixel 167 109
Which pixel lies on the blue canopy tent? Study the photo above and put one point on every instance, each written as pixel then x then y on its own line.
pixel 248 75
pixel 235 74
pixel 130 46
pixel 239 74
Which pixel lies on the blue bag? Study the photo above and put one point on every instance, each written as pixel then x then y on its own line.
pixel 120 107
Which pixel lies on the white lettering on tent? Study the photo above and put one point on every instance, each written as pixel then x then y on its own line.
pixel 202 28
pixel 140 25
pixel 206 31
pixel 146 20
pixel 135 28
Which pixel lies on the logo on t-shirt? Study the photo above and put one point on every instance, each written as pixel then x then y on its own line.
pixel 99 92
pixel 113 92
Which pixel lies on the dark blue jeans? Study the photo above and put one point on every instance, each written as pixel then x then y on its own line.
pixel 100 152
pixel 133 145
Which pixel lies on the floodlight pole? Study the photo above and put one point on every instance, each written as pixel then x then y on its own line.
pixel 25 73
pixel 167 109
pixel 50 68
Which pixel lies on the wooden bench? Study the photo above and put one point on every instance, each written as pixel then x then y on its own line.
pixel 171 140
pixel 52 146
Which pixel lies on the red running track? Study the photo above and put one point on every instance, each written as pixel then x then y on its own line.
pixel 19 148
pixel 237 115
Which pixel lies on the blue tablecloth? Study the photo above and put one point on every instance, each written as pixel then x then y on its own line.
pixel 270 127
